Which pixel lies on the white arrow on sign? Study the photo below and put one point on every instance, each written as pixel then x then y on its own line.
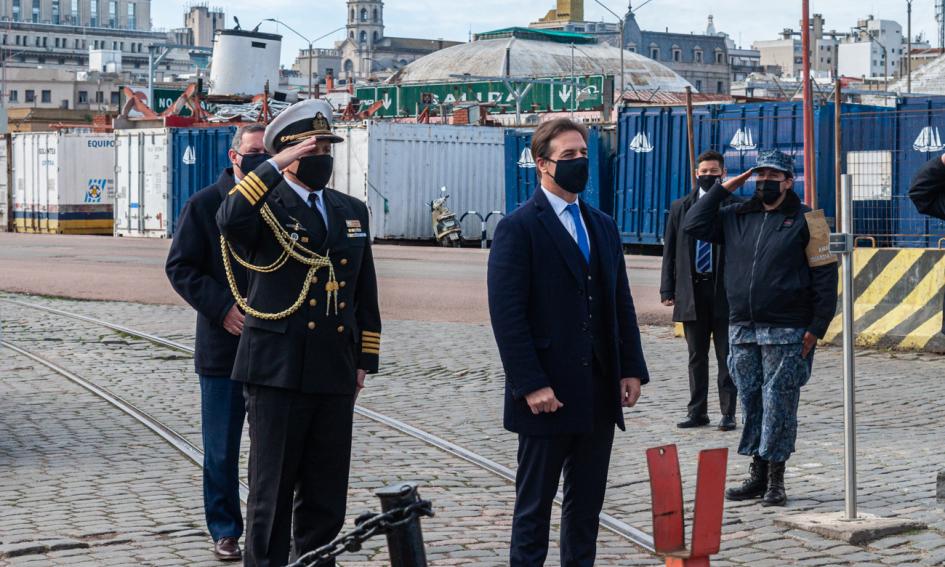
pixel 387 101
pixel 565 94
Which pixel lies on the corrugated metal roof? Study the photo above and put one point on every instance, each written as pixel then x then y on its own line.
pixel 539 34
pixel 660 98
pixel 535 59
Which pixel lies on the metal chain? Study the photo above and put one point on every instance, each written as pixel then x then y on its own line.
pixel 366 526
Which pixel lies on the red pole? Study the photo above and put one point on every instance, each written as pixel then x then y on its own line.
pixel 810 192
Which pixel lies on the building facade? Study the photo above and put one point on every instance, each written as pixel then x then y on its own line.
pixel 701 59
pixel 875 48
pixel 366 53
pixel 114 14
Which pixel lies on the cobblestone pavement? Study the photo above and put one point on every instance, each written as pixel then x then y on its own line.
pixel 445 378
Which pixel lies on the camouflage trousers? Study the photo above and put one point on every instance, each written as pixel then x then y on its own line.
pixel 767 367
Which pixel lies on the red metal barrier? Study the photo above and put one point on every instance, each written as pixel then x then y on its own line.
pixel 669 533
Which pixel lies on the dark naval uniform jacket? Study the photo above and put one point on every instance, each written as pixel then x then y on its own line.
pixel 314 350
pixel 195 269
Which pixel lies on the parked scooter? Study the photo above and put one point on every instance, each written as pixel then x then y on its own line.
pixel 445 226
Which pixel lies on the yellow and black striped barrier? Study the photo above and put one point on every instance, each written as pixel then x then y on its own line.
pixel 899 295
pixel 898 298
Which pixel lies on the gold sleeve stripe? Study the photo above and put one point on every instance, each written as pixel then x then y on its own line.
pixel 370 334
pixel 233 190
pixel 252 200
pixel 251 188
pixel 259 183
pixel 370 351
pixel 256 184
pixel 369 344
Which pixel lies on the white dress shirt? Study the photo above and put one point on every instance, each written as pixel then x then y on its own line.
pixel 303 193
pixel 560 207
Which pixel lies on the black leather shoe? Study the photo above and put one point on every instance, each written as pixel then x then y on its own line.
pixel 227 549
pixel 693 421
pixel 727 423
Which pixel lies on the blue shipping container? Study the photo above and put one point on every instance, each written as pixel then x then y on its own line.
pixel 521 179
pixel 198 157
pixel 653 154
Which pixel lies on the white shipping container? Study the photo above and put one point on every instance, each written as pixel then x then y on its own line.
pixel 6 188
pixel 142 200
pixel 350 174
pixel 410 162
pixel 63 182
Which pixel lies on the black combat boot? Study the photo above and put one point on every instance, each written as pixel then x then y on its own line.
pixel 775 496
pixel 755 485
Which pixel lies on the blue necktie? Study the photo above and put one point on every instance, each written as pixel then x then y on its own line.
pixel 582 242
pixel 703 257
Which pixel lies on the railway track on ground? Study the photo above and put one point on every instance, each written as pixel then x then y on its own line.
pixel 194 454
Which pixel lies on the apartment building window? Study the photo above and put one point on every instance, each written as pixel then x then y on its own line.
pixel 18 40
pixel 17 14
pixel 37 40
pixel 699 85
pixel 93 13
pixel 57 42
pixel 113 13
pixel 13 96
pixel 46 96
pixel 30 95
pixel 45 41
pixel 697 55
pixel 115 98
pixel 719 57
pixel 55 12
pixel 655 53
pixel 35 15
pixel 677 54
pixel 719 87
pixel 83 97
pixel 99 97
pixel 132 15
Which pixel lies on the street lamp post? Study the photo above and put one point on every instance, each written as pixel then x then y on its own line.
pixel 622 44
pixel 909 52
pixel 310 42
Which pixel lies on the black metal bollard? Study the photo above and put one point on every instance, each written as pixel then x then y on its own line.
pixel 405 543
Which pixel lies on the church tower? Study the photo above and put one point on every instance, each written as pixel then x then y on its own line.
pixel 365 23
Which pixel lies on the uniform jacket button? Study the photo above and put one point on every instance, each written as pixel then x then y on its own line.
pixel 344 262
pixel 342 284
pixel 313 302
pixel 311 325
pixel 341 328
pixel 342 305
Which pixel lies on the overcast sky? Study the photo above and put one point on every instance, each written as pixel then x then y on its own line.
pixel 451 20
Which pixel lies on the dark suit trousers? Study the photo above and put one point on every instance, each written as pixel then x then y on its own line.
pixel 584 459
pixel 708 327
pixel 300 446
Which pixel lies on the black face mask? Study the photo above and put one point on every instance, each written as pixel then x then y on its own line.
pixel 571 174
pixel 249 162
pixel 315 171
pixel 707 182
pixel 769 190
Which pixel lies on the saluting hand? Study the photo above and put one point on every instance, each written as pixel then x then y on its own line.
pixel 735 183
pixel 290 154
pixel 233 322
pixel 543 401
pixel 629 392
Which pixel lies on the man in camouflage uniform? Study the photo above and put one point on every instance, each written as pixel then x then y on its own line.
pixel 782 297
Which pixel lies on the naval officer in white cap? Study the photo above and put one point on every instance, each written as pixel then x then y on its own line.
pixel 311 335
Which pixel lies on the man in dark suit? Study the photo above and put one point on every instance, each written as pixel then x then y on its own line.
pixel 195 269
pixel 693 285
pixel 564 322
pixel 312 333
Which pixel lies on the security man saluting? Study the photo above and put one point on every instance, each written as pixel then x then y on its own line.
pixel 311 334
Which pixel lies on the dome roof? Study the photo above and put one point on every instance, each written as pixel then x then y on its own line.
pixel 538 59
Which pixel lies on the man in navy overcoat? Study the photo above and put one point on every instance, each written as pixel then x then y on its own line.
pixel 567 333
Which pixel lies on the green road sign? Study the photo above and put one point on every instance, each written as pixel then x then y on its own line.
pixel 409 100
